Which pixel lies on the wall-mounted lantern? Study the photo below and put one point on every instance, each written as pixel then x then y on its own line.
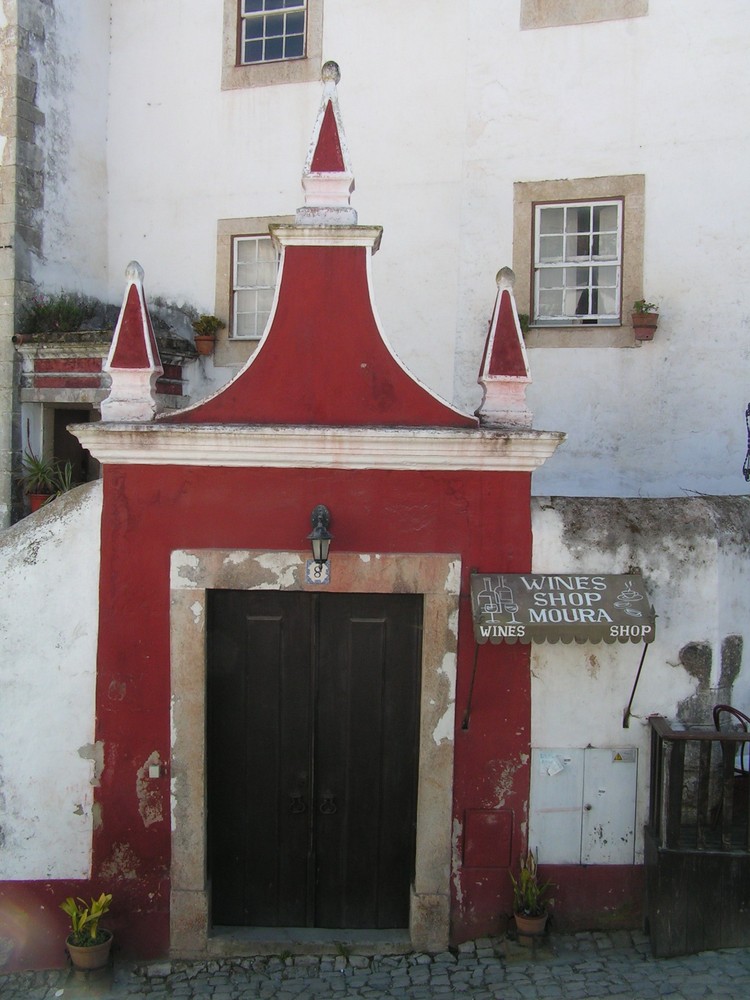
pixel 320 537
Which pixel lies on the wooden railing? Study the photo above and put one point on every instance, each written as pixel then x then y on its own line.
pixel 700 789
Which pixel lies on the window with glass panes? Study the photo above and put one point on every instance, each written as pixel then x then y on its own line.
pixel 272 30
pixel 255 268
pixel 577 263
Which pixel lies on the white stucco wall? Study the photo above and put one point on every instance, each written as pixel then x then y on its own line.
pixel 49 565
pixel 444 109
pixel 72 66
pixel 692 554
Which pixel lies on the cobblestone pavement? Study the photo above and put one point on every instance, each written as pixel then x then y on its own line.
pixel 592 965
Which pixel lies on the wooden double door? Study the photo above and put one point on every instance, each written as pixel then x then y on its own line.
pixel 312 757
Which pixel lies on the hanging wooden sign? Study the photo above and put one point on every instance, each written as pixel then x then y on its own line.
pixel 565 607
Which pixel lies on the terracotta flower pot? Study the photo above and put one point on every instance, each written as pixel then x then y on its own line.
pixel 644 325
pixel 204 344
pixel 529 928
pixel 94 956
pixel 37 500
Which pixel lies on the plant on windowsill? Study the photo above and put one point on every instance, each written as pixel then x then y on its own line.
pixel 529 900
pixel 645 319
pixel 88 944
pixel 206 327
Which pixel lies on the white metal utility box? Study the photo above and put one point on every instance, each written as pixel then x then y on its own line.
pixel 583 805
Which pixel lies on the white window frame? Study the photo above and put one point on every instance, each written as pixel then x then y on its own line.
pixel 236 75
pixel 259 26
pixel 631 189
pixel 581 263
pixel 231 351
pixel 238 288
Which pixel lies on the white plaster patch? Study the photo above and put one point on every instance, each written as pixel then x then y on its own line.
pixel 453 579
pixel 453 622
pixel 364 557
pixel 448 670
pixel 197 608
pixel 283 565
pixel 443 731
pixel 181 570
pixel 236 558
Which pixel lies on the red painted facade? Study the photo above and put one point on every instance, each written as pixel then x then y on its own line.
pixel 149 512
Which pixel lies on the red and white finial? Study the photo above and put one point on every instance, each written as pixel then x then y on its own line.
pixel 327 177
pixel 133 361
pixel 504 372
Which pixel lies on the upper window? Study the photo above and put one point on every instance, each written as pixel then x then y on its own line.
pixel 246 276
pixel 578 255
pixel 255 268
pixel 268 42
pixel 272 30
pixel 577 263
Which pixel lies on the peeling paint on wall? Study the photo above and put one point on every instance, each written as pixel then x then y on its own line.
pixel 456 861
pixel 501 774
pixel 148 792
pixel 122 863
pixel 94 752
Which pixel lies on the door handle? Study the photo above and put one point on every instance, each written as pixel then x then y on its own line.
pixel 298 804
pixel 328 805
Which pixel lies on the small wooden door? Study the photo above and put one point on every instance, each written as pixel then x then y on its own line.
pixel 312 750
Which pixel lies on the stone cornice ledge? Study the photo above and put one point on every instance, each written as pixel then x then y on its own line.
pixel 256 446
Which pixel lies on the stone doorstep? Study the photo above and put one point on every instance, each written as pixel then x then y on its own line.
pixel 246 942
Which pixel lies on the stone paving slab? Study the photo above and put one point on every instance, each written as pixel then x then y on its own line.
pixel 616 966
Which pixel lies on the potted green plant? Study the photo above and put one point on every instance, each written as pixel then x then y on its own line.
pixel 206 327
pixel 645 319
pixel 529 900
pixel 88 944
pixel 38 479
pixel 43 479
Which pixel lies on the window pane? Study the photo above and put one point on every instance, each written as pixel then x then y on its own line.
pixel 274 49
pixel 294 46
pixel 253 52
pixel 274 4
pixel 605 218
pixel 265 250
pixel 550 248
pixel 254 27
pixel 265 274
pixel 581 276
pixel 606 245
pixel 551 220
pixel 577 246
pixel 550 303
pixel 551 277
pixel 275 26
pixel 607 302
pixel 579 219
pixel 605 277
pixel 252 6
pixel 295 24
